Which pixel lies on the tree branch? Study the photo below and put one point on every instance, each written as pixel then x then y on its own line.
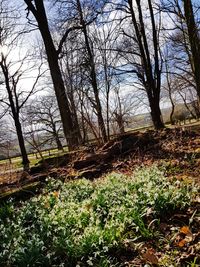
pixel 63 39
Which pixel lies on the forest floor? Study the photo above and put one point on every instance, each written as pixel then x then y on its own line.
pixel 175 151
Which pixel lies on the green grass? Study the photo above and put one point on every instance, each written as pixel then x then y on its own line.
pixel 17 161
pixel 81 223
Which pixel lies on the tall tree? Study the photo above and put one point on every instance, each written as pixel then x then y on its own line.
pixel 183 37
pixel 92 71
pixel 10 84
pixel 194 39
pixel 142 45
pixel 15 98
pixel 37 8
pixel 13 69
pixel 72 78
pixel 104 39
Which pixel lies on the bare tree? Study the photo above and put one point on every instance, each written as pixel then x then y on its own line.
pixel 140 51
pixel 184 42
pixel 72 77
pixel 92 71
pixel 16 99
pixel 194 40
pixel 13 70
pixel 44 113
pixel 37 9
pixel 104 39
pixel 6 140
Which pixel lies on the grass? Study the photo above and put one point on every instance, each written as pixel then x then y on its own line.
pixel 84 223
pixel 17 161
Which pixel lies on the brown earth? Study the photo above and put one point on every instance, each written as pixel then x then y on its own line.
pixel 177 150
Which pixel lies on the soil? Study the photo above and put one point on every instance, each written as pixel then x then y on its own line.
pixel 176 150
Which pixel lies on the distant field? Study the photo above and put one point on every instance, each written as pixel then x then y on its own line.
pixel 15 162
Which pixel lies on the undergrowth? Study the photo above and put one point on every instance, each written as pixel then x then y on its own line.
pixel 81 223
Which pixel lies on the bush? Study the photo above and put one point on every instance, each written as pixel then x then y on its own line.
pixel 79 223
pixel 181 115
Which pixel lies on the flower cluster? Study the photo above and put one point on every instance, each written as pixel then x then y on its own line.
pixel 80 222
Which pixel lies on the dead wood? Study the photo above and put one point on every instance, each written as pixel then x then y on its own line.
pixel 124 143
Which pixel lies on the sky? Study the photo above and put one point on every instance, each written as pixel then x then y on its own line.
pixel 29 42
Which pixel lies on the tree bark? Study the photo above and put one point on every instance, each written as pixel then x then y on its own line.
pixel 194 42
pixel 120 122
pixel 156 114
pixel 25 160
pixel 170 95
pixel 56 136
pixel 73 107
pixel 59 145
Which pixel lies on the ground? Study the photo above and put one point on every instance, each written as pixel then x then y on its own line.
pixel 175 151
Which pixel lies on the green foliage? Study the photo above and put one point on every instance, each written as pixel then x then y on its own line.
pixel 80 222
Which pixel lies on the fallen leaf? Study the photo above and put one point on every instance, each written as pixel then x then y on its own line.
pixel 56 194
pixel 182 243
pixel 185 236
pixel 185 230
pixel 149 256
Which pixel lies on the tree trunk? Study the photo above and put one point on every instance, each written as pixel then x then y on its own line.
pixel 154 102
pixel 84 130
pixel 170 95
pixel 152 71
pixel 107 85
pixel 70 93
pixel 93 76
pixel 156 115
pixel 120 122
pixel 74 115
pixel 172 113
pixel 119 115
pixel 194 42
pixel 25 160
pixel 57 139
pixel 107 116
pixel 52 56
pixel 58 143
pixel 15 115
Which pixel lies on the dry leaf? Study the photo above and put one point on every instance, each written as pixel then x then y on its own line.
pixel 185 236
pixel 185 230
pixel 182 243
pixel 188 234
pixel 150 256
pixel 56 194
